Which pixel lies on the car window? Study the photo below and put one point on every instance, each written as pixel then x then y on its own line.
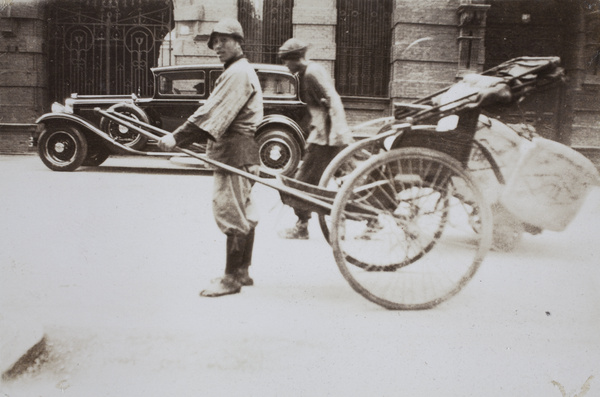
pixel 274 85
pixel 214 75
pixel 277 85
pixel 182 83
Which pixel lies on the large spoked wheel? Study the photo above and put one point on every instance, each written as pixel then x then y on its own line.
pixel 400 230
pixel 419 202
pixel 121 133
pixel 341 167
pixel 62 148
pixel 279 152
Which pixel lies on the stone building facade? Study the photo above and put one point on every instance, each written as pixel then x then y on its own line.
pixel 423 47
pixel 23 81
pixel 427 45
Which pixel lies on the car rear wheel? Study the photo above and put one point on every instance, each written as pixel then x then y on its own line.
pixel 279 152
pixel 122 134
pixel 62 148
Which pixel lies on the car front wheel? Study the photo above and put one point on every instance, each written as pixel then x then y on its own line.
pixel 279 152
pixel 62 148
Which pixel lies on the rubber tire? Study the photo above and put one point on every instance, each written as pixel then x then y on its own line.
pixel 284 140
pixel 107 125
pixel 62 147
pixel 97 154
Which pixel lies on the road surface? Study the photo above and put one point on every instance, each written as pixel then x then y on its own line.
pixel 109 261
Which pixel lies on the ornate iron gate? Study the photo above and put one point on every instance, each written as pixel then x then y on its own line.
pixel 363 38
pixel 105 47
pixel 267 25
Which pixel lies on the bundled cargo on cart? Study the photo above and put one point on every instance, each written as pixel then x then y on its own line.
pixel 531 182
pixel 546 181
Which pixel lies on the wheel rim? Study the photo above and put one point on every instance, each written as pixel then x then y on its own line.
pixel 61 148
pixel 275 154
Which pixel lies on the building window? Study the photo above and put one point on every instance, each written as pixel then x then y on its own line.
pixel 471 22
pixel 267 24
pixel 363 39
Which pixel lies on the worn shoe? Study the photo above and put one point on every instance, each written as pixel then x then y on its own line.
pixel 242 276
pixel 225 285
pixel 298 232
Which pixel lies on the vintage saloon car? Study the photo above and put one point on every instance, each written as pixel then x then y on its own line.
pixel 73 134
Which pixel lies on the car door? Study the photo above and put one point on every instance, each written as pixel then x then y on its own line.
pixel 178 95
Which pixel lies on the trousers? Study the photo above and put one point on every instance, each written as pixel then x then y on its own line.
pixel 315 160
pixel 233 207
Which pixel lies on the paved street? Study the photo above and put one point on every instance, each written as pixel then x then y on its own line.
pixel 109 261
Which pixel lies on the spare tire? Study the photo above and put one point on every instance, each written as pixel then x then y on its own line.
pixel 122 134
pixel 279 152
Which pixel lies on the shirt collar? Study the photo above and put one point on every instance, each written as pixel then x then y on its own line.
pixel 232 60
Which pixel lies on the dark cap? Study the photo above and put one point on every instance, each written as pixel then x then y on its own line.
pixel 293 49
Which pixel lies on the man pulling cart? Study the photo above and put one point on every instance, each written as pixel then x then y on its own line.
pixel 228 121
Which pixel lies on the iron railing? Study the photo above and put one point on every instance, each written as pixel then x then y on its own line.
pixel 267 25
pixel 105 47
pixel 363 42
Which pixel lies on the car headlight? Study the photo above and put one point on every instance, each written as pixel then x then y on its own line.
pixel 59 108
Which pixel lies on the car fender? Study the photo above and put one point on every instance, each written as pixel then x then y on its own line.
pixel 271 119
pixel 85 127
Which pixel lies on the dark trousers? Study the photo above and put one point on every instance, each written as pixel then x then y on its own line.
pixel 315 160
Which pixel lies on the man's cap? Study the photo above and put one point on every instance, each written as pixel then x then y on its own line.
pixel 293 48
pixel 228 26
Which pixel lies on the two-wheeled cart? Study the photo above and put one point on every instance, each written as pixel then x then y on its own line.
pixel 474 140
pixel 409 226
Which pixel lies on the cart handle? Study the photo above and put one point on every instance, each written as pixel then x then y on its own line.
pixel 137 124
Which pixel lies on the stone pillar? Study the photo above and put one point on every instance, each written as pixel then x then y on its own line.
pixel 314 22
pixel 194 20
pixel 23 64
pixel 424 47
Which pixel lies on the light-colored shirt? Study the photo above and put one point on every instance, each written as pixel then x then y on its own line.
pixel 328 124
pixel 232 114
